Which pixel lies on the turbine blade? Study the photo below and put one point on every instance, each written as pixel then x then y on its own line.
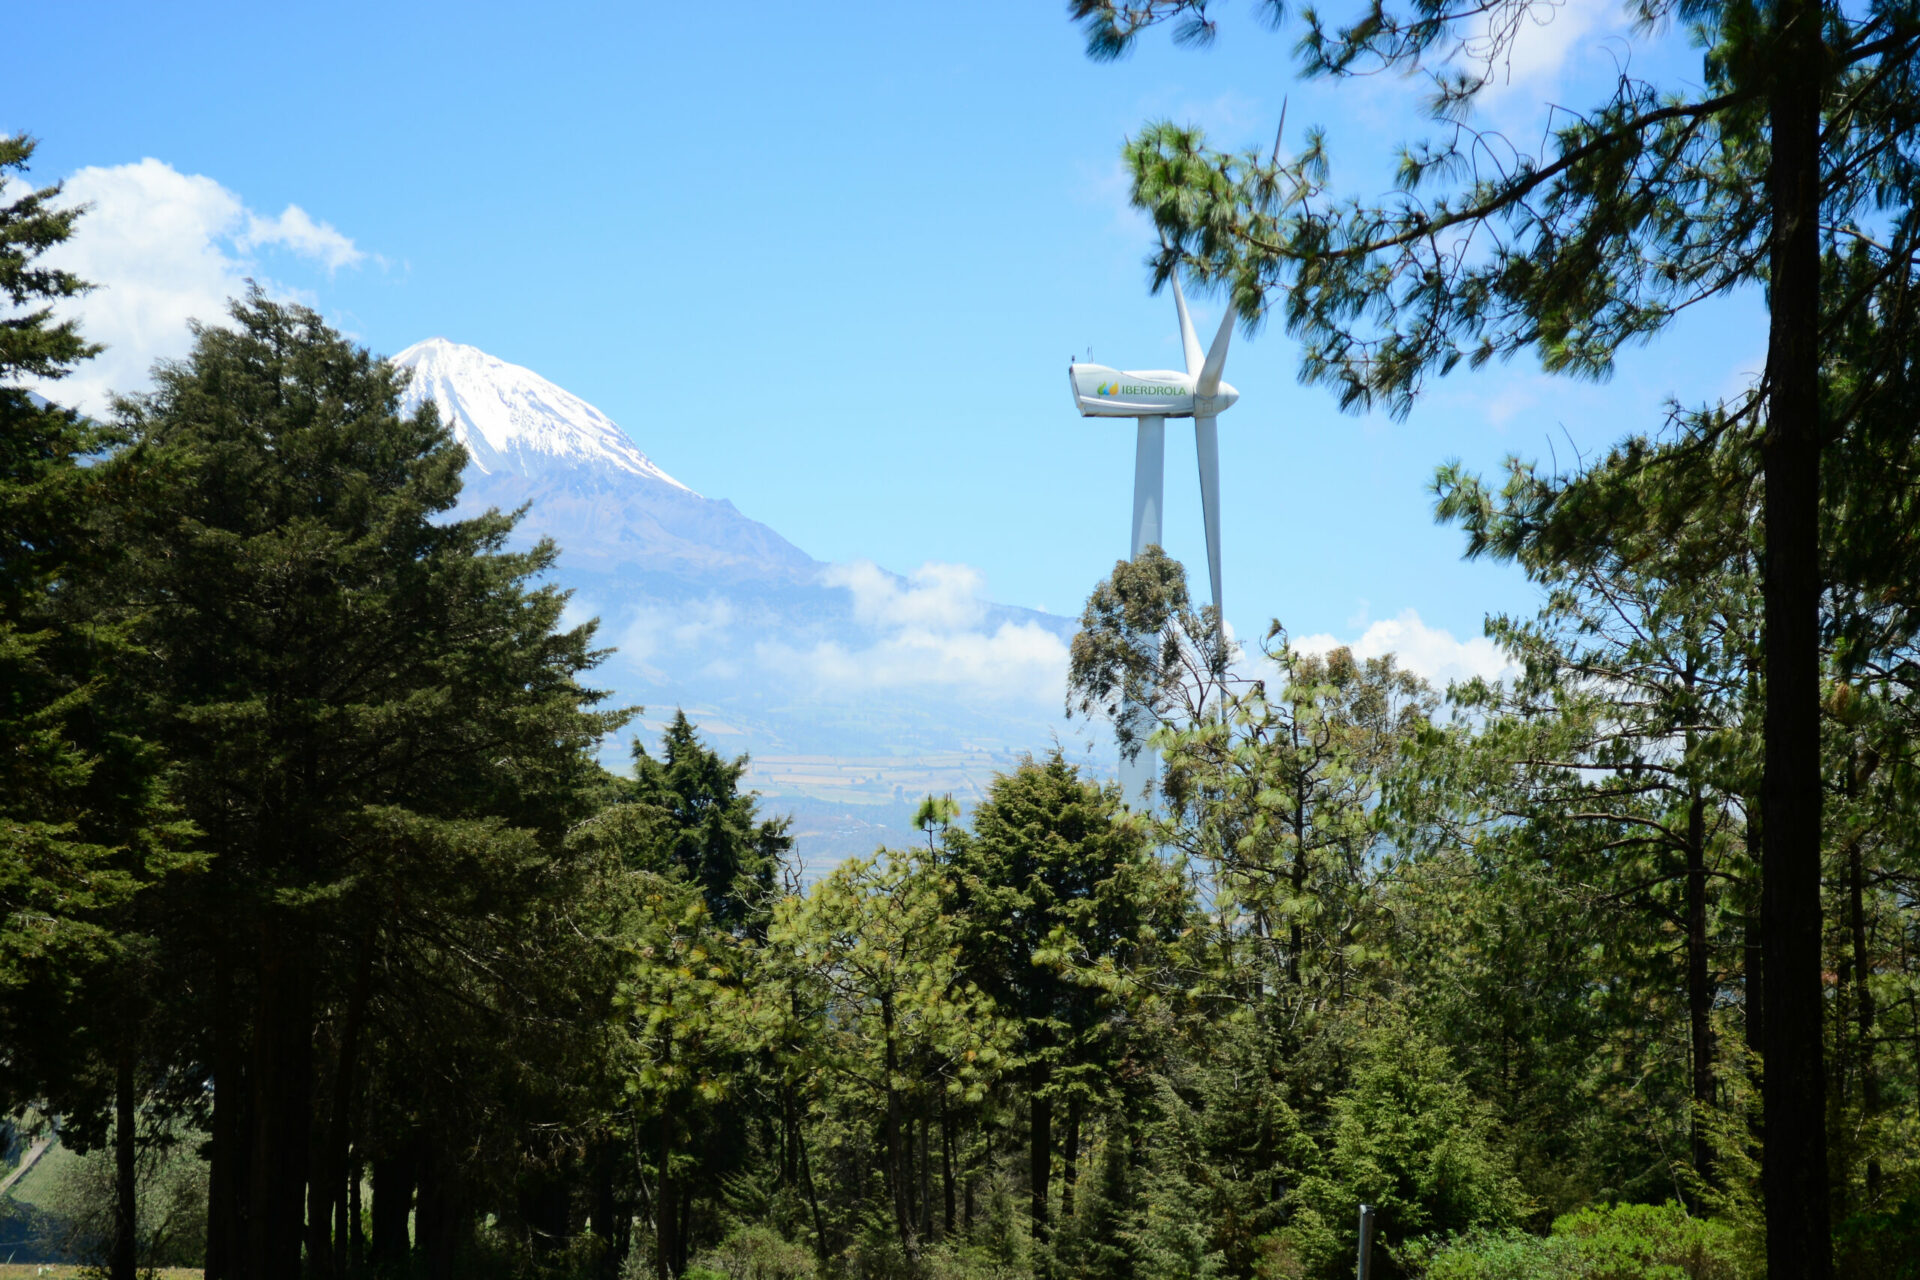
pixel 1189 340
pixel 1208 381
pixel 1206 444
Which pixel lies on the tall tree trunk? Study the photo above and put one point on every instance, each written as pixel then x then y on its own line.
pixel 1040 1153
pixel 986 1141
pixel 683 1234
pixel 813 1198
pixel 393 1180
pixel 326 1189
pixel 1864 1012
pixel 898 1161
pixel 125 1258
pixel 946 1167
pixel 1070 1170
pixel 227 1170
pixel 1296 939
pixel 440 1222
pixel 926 1180
pixel 282 1097
pixel 789 1138
pixel 663 1213
pixel 1794 1082
pixel 1754 957
pixel 319 1189
pixel 606 1211
pixel 355 1247
pixel 1699 983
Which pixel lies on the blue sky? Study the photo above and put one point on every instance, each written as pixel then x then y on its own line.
pixel 827 261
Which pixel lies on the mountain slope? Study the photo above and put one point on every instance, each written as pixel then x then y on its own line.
pixel 855 690
pixel 591 489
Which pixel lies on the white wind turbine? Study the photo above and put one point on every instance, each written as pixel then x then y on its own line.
pixel 1152 396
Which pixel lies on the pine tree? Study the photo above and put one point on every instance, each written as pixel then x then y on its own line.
pixel 1060 903
pixel 55 872
pixel 87 827
pixel 713 835
pixel 379 730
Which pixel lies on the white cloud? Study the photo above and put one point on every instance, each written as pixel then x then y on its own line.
pixel 658 629
pixel 295 229
pixel 1530 46
pixel 929 631
pixel 940 596
pixel 1014 662
pixel 1430 652
pixel 165 247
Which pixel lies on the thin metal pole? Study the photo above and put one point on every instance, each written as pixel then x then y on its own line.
pixel 1366 1242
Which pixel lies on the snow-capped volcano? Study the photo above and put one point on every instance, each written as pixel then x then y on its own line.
pixel 703 608
pixel 587 485
pixel 512 419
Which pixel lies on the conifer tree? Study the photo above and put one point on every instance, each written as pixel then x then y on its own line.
pixel 1059 899
pixel 55 873
pixel 713 834
pixel 378 726
pixel 87 827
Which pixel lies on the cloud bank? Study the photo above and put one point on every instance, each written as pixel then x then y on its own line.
pixel 930 630
pixel 162 248
pixel 1429 652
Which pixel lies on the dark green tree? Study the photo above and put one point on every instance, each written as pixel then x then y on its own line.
pixel 1144 656
pixel 1278 798
pixel 378 727
pixel 1061 906
pixel 87 826
pixel 1626 743
pixel 688 890
pixel 935 811
pixel 713 835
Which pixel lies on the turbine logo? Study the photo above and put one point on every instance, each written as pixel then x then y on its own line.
pixel 1137 389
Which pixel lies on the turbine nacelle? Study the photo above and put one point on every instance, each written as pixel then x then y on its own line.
pixel 1100 392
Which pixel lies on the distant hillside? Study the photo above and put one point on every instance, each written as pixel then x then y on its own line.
pixel 854 689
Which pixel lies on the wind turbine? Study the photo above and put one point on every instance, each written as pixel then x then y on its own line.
pixel 1151 396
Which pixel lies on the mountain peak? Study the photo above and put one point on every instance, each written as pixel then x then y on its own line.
pixel 531 443
pixel 514 421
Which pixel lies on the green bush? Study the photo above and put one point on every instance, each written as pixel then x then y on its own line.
pixel 1880 1246
pixel 1408 1138
pixel 754 1253
pixel 951 1261
pixel 171 1204
pixel 1618 1242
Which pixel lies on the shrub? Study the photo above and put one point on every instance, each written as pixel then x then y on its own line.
pixel 1408 1138
pixel 1618 1242
pixel 754 1253
pixel 1880 1246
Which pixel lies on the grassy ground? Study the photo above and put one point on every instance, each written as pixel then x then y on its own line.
pixel 63 1271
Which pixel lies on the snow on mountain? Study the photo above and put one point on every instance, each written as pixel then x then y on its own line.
pixel 512 419
pixel 854 690
pixel 591 489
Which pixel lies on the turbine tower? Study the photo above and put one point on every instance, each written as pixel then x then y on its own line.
pixel 1151 396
